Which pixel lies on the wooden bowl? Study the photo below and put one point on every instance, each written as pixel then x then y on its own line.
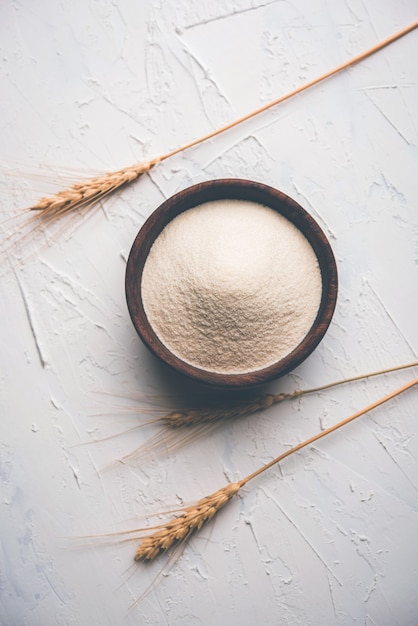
pixel 241 190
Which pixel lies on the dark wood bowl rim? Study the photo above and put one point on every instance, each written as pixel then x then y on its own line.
pixel 231 188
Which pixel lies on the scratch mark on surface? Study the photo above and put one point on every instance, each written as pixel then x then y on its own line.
pixel 407 108
pixel 276 119
pixel 371 589
pixel 382 304
pixel 233 13
pixel 226 149
pixel 55 592
pixel 370 20
pixel 75 474
pixel 46 122
pixel 249 523
pixel 304 537
pixel 205 71
pixel 379 486
pixel 235 143
pixel 86 148
pixel 154 181
pixel 353 13
pixel 314 209
pixel 331 593
pixel 122 110
pixel 396 462
pixel 388 86
pixel 387 118
pixel 205 77
pixel 42 358
pixel 96 469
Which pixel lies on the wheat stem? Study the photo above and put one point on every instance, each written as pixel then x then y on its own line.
pixel 85 195
pixel 311 83
pixel 353 379
pixel 329 430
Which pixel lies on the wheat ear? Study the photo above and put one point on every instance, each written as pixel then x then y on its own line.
pixel 181 427
pixel 85 195
pixel 188 522
pixel 191 520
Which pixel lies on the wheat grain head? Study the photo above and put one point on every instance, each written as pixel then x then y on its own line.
pixel 86 194
pixel 190 417
pixel 188 522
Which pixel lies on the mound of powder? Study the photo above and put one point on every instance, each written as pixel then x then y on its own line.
pixel 231 286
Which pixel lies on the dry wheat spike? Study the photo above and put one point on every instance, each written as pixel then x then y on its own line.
pixel 180 427
pixel 85 195
pixel 188 522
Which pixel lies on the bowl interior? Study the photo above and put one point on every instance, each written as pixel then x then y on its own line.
pixel 240 190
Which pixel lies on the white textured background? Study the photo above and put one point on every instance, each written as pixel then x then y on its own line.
pixel 332 537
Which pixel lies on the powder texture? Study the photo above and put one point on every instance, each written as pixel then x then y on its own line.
pixel 231 286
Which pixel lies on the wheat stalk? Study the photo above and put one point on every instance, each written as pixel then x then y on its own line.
pixel 180 427
pixel 190 417
pixel 84 195
pixel 178 530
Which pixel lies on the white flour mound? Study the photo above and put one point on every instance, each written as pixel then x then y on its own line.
pixel 231 286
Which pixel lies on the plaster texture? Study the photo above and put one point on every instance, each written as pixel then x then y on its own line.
pixel 330 538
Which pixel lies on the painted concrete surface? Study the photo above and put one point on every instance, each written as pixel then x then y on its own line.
pixel 331 536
